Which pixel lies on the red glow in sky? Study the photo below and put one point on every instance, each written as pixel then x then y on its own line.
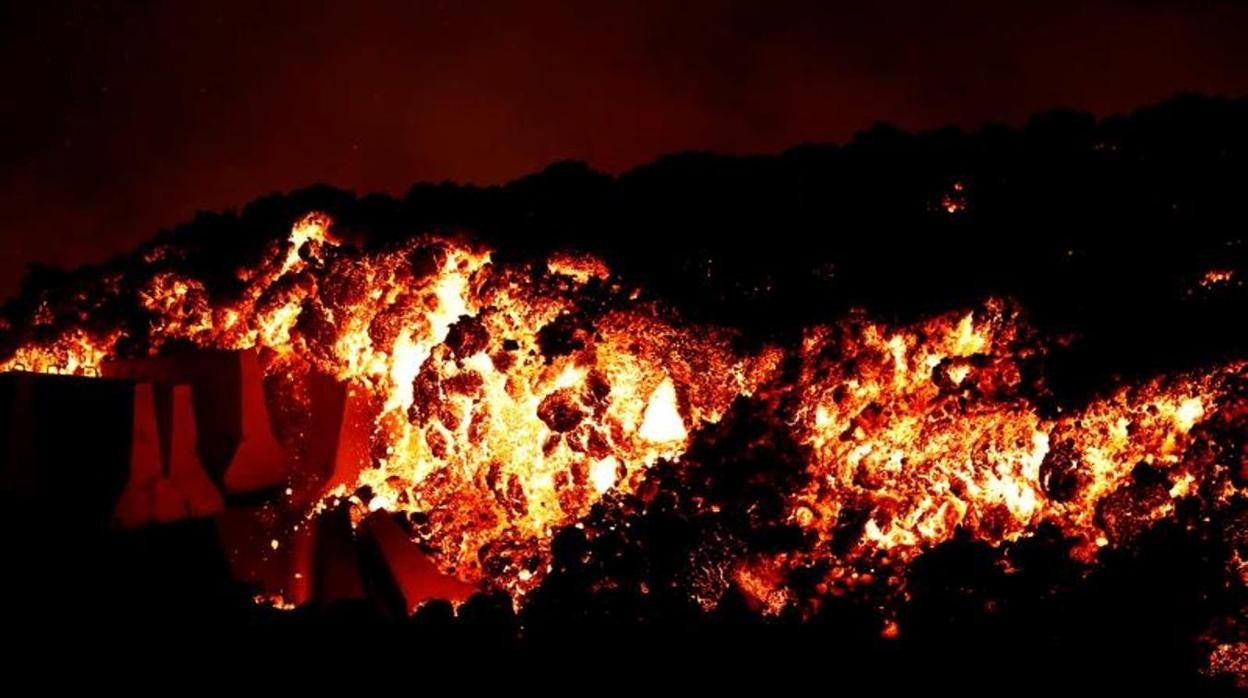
pixel 123 117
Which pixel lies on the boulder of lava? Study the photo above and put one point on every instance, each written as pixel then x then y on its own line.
pixel 390 321
pixel 427 259
pixel 426 396
pixel 317 327
pixel 1059 472
pixel 1131 509
pixel 564 335
pixel 466 337
pixel 561 411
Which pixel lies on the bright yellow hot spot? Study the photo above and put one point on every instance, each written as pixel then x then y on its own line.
pixel 662 422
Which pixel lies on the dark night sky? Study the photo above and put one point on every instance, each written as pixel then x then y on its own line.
pixel 119 118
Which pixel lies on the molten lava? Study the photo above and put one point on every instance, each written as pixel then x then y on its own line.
pixel 917 433
pixel 507 400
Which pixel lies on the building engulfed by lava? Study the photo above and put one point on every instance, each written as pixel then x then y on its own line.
pixel 495 403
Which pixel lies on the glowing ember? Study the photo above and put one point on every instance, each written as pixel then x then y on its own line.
pixel 954 201
pixel 1232 660
pixel 1217 277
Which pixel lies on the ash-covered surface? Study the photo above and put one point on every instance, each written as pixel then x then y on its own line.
pixel 1123 238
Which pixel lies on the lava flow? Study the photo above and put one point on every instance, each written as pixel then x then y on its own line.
pixel 509 399
pixel 916 434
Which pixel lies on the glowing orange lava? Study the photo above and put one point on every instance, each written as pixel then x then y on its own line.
pixel 508 400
